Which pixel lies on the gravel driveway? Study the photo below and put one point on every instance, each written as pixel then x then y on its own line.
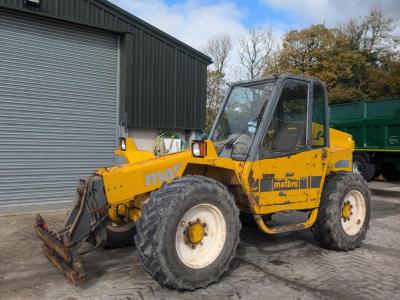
pixel 288 266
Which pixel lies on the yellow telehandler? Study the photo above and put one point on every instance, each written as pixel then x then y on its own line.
pixel 270 150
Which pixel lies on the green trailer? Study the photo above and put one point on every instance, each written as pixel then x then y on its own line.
pixel 375 127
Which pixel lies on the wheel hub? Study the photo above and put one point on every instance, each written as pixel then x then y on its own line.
pixel 353 212
pixel 200 235
pixel 195 232
pixel 346 211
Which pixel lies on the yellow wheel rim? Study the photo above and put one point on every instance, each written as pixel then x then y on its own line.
pixel 354 211
pixel 200 236
pixel 195 233
pixel 346 211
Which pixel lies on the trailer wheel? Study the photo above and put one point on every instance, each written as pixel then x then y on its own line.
pixel 188 233
pixel 119 235
pixel 344 212
pixel 363 167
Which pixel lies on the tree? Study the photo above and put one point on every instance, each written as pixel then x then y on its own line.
pixel 373 39
pixel 254 51
pixel 357 60
pixel 218 48
pixel 384 80
pixel 372 33
pixel 304 51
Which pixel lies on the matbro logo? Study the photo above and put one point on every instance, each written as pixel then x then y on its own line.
pixel 161 176
pixel 270 183
pixel 279 184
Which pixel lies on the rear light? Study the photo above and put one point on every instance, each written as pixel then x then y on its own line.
pixel 122 144
pixel 199 148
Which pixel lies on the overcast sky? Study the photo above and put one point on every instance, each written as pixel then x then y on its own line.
pixel 196 21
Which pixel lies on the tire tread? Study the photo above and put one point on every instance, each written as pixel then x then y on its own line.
pixel 149 228
pixel 326 229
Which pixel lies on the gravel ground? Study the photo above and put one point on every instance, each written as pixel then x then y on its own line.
pixel 287 266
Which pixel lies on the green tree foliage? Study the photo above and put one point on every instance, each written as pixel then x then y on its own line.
pixel 357 60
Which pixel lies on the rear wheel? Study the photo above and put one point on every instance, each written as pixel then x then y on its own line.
pixel 188 232
pixel 344 212
pixel 363 167
pixel 119 235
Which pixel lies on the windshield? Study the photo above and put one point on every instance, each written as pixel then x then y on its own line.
pixel 242 113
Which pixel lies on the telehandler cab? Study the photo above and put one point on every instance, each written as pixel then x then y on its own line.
pixel 270 150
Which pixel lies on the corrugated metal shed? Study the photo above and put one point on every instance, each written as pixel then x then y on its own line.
pixel 58 108
pixel 163 81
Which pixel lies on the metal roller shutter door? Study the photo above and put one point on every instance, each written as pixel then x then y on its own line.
pixel 58 109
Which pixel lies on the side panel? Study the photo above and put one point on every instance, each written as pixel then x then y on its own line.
pixel 340 151
pixel 374 125
pixel 282 180
pixel 123 183
pixel 289 183
pixel 165 87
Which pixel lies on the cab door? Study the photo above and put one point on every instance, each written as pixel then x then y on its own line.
pixel 319 141
pixel 290 169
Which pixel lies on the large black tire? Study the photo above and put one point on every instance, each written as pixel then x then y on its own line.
pixel 328 229
pixel 160 222
pixel 120 236
pixel 363 167
pixel 390 174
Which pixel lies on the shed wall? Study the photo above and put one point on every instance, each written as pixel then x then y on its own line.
pixel 58 108
pixel 163 81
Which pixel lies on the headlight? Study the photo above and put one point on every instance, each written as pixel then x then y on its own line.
pixel 198 148
pixel 122 144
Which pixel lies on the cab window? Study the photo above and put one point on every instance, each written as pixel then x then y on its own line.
pixel 288 127
pixel 318 138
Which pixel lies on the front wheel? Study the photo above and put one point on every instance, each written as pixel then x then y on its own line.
pixel 344 212
pixel 188 233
